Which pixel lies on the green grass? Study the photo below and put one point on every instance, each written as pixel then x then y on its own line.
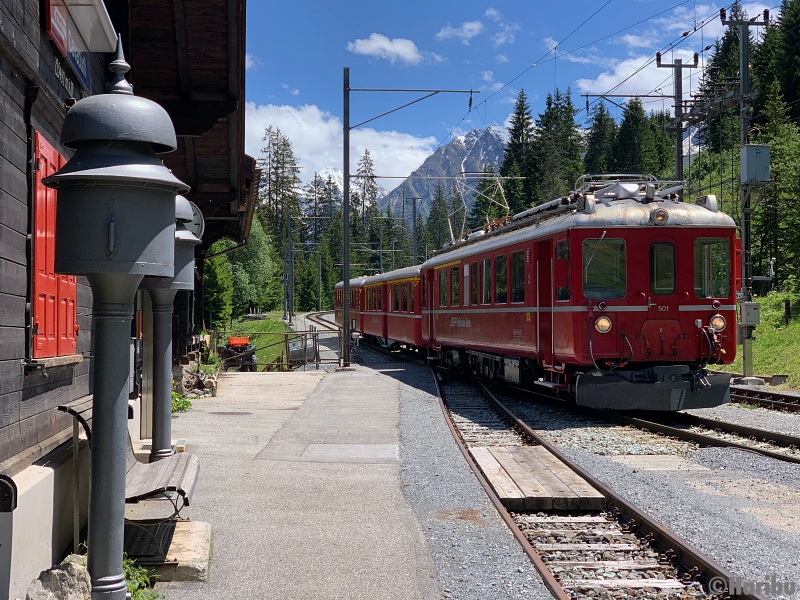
pixel 262 332
pixel 777 346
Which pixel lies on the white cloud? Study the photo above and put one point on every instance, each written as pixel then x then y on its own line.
pixel 645 81
pixel 506 35
pixel 497 85
pixel 501 59
pixel 316 138
pixel 251 61
pixel 647 39
pixel 493 14
pixel 467 30
pixel 293 92
pixel 487 75
pixel 380 46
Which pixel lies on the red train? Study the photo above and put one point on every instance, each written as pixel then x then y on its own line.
pixel 618 295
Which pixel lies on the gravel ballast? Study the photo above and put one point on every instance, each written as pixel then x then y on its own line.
pixel 475 554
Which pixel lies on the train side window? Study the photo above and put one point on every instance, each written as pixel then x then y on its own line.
pixel 474 282
pixel 500 288
pixel 396 297
pixel 412 287
pixel 518 276
pixel 380 298
pixel 486 281
pixel 454 287
pixel 404 288
pixel 604 269
pixel 443 287
pixel 662 268
pixel 561 275
pixel 712 268
pixel 424 291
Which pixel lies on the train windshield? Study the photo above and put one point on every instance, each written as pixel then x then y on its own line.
pixel 604 274
pixel 712 268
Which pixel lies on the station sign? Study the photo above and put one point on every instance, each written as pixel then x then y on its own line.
pixel 65 35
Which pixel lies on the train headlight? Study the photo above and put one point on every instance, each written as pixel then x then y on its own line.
pixel 603 324
pixel 659 216
pixel 718 323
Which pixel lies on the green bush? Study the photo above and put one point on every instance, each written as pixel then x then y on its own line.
pixel 180 403
pixel 139 581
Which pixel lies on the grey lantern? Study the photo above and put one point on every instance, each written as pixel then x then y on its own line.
pixel 162 292
pixel 115 223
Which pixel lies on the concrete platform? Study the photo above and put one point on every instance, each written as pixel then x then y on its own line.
pixel 189 553
pixel 305 483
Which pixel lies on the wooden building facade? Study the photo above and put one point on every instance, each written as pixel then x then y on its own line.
pixel 187 55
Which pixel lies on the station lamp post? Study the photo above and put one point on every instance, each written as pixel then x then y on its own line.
pixel 115 223
pixel 162 292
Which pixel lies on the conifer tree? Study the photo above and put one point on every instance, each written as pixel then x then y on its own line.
pixel 635 150
pixel 518 157
pixel 557 147
pixel 788 56
pixel 437 224
pixel 600 144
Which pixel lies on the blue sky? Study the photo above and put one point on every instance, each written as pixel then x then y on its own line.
pixel 296 51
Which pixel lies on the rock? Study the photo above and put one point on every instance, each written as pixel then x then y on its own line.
pixel 67 581
pixel 210 384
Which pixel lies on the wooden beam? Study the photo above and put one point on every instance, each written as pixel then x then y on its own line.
pixel 180 41
pixel 191 168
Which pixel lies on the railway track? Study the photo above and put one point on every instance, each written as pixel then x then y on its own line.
pixel 765 398
pixel 319 319
pixel 618 552
pixel 683 426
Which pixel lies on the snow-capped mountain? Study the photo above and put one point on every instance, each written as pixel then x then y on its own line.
pixel 468 153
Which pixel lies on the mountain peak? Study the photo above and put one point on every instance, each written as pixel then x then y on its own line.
pixel 470 152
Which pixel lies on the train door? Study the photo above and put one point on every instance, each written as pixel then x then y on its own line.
pixel 544 301
pixel 662 334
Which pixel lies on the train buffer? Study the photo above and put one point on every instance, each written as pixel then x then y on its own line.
pixel 531 478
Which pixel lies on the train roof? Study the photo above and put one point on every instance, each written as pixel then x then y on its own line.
pixel 357 282
pixel 619 204
pixel 403 273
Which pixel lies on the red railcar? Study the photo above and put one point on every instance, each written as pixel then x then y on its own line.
pixel 356 303
pixel 619 293
pixel 400 316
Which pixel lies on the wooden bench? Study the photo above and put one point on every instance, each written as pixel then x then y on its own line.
pixel 173 478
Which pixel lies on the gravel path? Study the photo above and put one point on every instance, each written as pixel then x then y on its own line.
pixel 475 554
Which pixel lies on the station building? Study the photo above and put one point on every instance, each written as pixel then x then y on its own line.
pixel 187 55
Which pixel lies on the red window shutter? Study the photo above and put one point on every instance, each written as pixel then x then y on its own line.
pixel 67 307
pixel 45 282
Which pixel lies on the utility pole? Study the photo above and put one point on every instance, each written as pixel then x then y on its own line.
pixel 290 261
pixel 392 255
pixel 745 107
pixel 380 245
pixel 677 85
pixel 346 127
pixel 414 230
pixel 345 349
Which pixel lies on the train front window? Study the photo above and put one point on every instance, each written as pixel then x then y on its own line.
pixel 712 268
pixel 662 268
pixel 604 269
